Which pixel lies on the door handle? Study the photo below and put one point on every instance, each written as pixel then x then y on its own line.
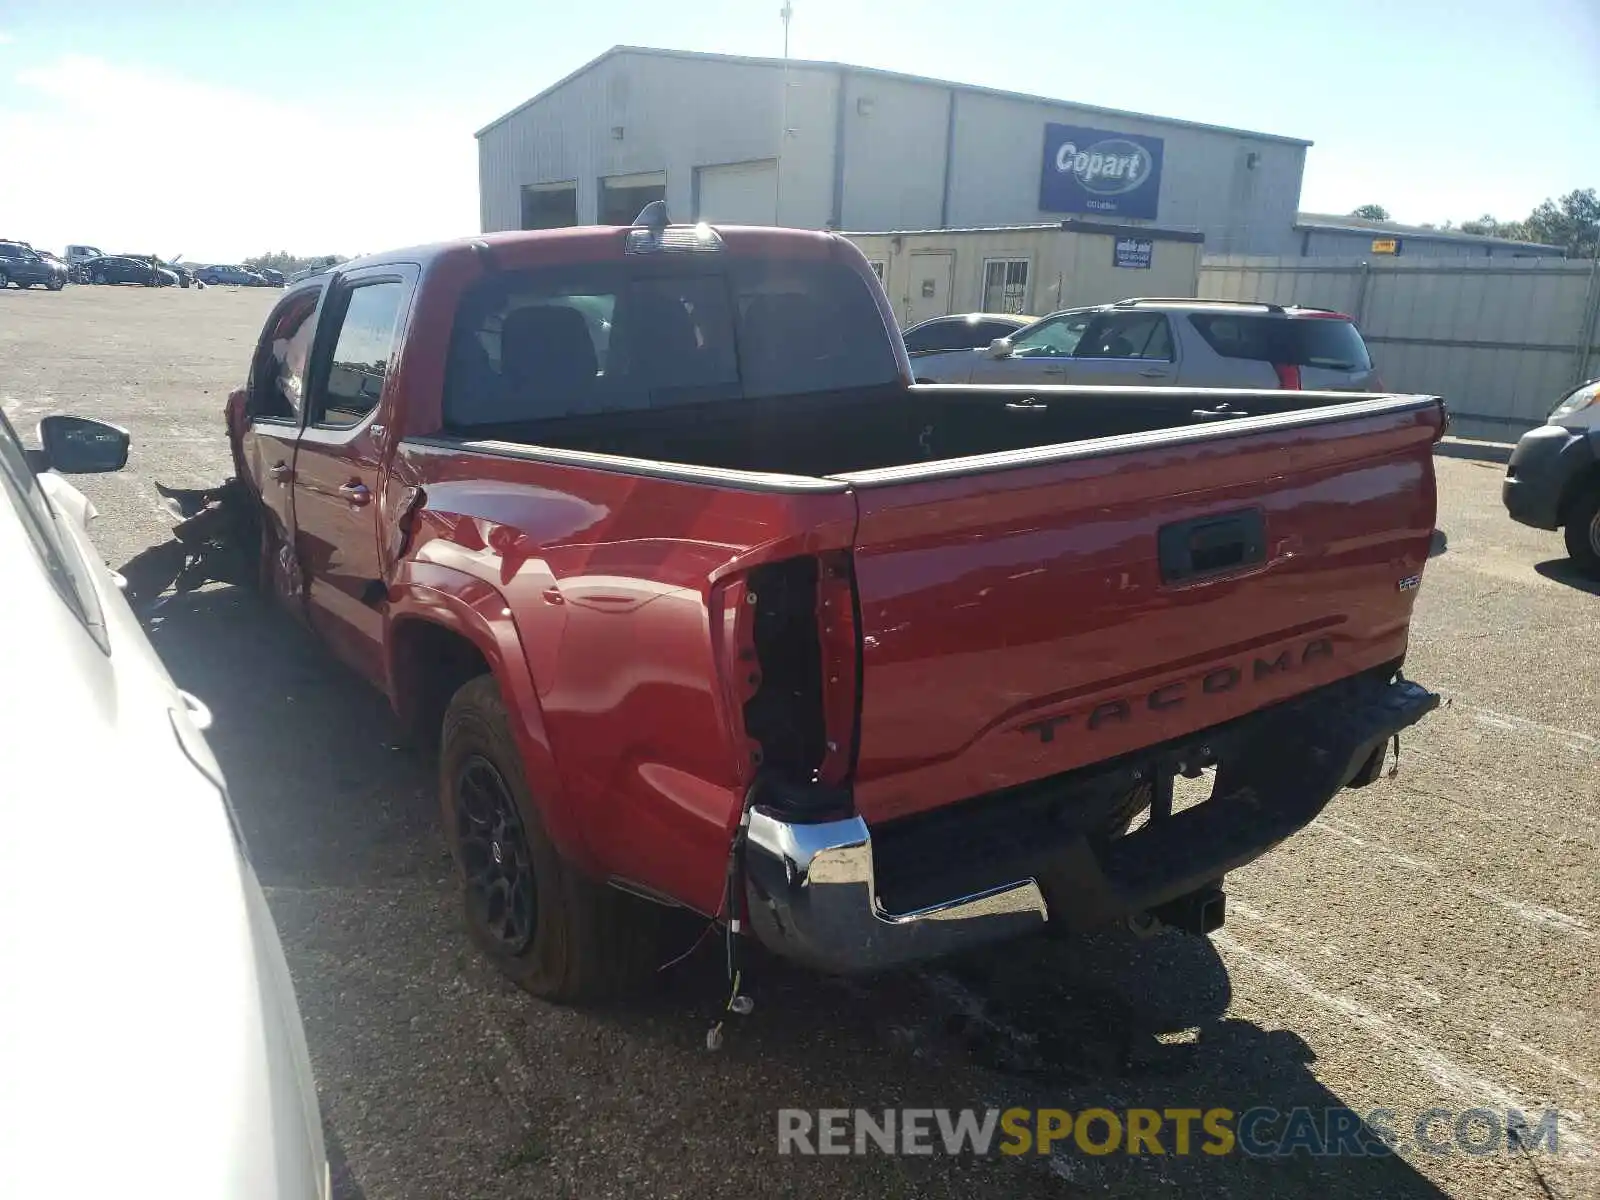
pixel 1054 371
pixel 279 472
pixel 1153 373
pixel 356 493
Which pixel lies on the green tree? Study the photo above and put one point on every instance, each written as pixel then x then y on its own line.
pixel 1572 222
pixel 1371 212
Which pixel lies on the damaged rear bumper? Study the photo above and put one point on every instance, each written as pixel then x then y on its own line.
pixel 828 894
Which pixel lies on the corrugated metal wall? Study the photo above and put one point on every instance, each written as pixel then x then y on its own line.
pixel 1499 339
pixel 1335 243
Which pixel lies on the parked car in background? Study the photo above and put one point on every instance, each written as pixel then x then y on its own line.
pixel 1173 343
pixel 1553 480
pixel 79 252
pixel 24 266
pixel 117 268
pixel 185 274
pixel 236 276
pixel 207 1036
pixel 271 277
pixel 962 331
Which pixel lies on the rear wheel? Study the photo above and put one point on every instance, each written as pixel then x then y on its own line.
pixel 1583 531
pixel 552 931
pixel 100 277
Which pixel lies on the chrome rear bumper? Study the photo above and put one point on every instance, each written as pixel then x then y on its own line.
pixel 810 894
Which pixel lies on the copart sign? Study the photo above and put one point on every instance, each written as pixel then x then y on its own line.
pixel 1099 171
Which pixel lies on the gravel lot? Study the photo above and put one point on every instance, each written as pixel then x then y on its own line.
pixel 1431 941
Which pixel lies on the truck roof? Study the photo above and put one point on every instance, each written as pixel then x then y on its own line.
pixel 580 242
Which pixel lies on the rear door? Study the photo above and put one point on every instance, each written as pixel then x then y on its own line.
pixel 1125 348
pixel 274 409
pixel 1024 620
pixel 336 466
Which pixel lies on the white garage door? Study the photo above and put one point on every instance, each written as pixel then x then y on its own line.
pixel 739 193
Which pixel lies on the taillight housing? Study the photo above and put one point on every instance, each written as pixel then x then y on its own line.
pixel 840 646
pixel 788 652
pixel 1288 376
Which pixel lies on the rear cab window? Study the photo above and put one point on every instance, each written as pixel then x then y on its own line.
pixel 659 333
pixel 1326 342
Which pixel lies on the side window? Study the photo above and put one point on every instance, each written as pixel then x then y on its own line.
pixel 929 337
pixel 1128 335
pixel 1057 337
pixel 277 388
pixel 360 361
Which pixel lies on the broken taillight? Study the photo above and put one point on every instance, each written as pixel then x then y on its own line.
pixel 840 646
pixel 787 650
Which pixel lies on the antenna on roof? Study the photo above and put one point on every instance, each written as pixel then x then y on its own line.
pixel 652 216
pixel 785 13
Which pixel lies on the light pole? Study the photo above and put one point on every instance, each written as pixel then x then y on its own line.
pixel 785 14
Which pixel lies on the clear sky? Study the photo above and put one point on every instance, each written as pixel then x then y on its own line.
pixel 221 129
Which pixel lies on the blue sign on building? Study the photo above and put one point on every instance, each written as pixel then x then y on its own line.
pixel 1098 171
pixel 1133 252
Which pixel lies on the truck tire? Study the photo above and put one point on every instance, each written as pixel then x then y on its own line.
pixel 552 931
pixel 1583 531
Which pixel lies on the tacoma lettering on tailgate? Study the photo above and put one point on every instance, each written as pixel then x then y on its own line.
pixel 1178 693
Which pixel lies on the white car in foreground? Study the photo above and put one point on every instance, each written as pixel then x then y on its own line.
pixel 152 1044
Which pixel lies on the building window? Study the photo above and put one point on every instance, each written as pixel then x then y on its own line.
pixel 623 196
pixel 1005 285
pixel 549 205
pixel 878 267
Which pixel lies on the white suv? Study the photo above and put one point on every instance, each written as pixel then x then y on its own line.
pixel 1172 343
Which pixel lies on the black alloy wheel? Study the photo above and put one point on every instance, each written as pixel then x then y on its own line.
pixel 496 865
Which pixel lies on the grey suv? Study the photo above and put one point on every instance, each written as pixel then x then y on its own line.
pixel 1170 343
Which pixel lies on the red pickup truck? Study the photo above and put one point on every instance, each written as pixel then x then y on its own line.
pixel 702 602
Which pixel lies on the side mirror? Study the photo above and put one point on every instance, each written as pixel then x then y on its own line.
pixel 999 348
pixel 79 446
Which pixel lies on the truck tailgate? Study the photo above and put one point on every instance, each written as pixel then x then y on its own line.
pixel 1025 614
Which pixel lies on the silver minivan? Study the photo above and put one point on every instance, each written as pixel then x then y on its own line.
pixel 1172 343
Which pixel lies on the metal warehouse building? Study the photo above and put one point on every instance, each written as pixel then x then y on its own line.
pixel 811 144
pixel 1323 235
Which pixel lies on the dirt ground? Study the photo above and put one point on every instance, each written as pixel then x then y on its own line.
pixel 1431 941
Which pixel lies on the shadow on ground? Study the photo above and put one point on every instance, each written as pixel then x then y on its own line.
pixel 1562 571
pixel 437 1078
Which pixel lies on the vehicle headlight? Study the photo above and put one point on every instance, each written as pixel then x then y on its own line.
pixel 1576 402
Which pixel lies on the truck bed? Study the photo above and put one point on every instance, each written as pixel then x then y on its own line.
pixel 871 429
